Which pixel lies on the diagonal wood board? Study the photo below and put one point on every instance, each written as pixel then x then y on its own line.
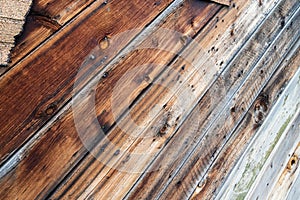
pixel 12 18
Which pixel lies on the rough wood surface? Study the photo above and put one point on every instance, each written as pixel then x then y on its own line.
pixel 211 184
pixel 47 17
pixel 39 99
pixel 217 135
pixel 12 18
pixel 178 147
pixel 44 19
pixel 198 11
pixel 270 136
pixel 103 172
pixel 173 108
pixel 78 185
pixel 281 169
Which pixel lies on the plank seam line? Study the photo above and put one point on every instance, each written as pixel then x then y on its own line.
pixel 229 62
pixel 255 137
pixel 62 26
pixel 263 86
pixel 148 87
pixel 294 50
pixel 228 103
pixel 14 159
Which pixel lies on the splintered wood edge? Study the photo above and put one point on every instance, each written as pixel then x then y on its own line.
pixel 12 19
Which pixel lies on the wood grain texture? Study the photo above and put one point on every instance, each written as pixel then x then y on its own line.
pixel 268 139
pixel 77 183
pixel 63 132
pixel 194 102
pixel 39 99
pixel 45 18
pixel 280 170
pixel 179 146
pixel 105 177
pixel 210 185
pixel 218 134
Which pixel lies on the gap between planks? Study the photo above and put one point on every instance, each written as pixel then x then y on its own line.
pixel 211 183
pixel 54 98
pixel 157 179
pixel 21 155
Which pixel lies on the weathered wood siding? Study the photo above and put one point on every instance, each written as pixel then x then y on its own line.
pixel 197 101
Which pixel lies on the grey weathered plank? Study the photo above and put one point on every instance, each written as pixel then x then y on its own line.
pixel 212 181
pixel 218 134
pixel 280 170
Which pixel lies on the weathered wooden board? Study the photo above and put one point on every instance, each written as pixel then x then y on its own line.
pixel 45 18
pixel 91 168
pixel 92 171
pixel 199 12
pixel 293 176
pixel 270 134
pixel 280 170
pixel 217 135
pixel 57 63
pixel 154 128
pixel 161 179
pixel 119 138
pixel 210 185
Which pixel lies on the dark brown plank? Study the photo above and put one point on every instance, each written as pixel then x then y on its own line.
pixel 52 68
pixel 44 18
pixel 57 160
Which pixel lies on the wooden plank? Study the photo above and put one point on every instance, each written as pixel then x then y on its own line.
pixel 45 18
pixel 280 170
pixel 37 100
pixel 71 189
pixel 217 135
pixel 179 148
pixel 36 30
pixel 60 11
pixel 65 132
pixel 247 169
pixel 210 185
pixel 92 169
